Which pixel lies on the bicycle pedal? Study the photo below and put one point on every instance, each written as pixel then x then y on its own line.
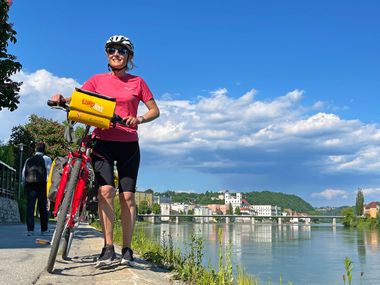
pixel 42 241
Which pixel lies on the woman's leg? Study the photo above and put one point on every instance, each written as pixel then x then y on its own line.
pixel 128 216
pixel 106 212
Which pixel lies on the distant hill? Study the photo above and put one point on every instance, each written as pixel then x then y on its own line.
pixel 280 199
pixel 255 198
pixel 331 211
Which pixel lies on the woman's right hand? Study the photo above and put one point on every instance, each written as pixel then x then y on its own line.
pixel 58 98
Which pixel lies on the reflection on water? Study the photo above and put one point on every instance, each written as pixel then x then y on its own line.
pixel 303 254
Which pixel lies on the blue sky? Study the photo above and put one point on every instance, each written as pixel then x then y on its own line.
pixel 254 95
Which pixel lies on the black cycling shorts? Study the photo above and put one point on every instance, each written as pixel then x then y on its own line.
pixel 127 158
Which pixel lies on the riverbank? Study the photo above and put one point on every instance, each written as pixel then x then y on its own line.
pixel 24 261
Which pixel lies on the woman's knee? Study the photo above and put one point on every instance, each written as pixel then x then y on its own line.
pixel 107 192
pixel 129 199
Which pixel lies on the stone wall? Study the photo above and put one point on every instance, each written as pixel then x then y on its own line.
pixel 9 213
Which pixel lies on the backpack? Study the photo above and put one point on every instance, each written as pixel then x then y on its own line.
pixel 55 175
pixel 35 169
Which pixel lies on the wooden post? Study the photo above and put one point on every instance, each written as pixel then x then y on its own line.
pixel 227 220
pixel 279 221
pixel 334 222
pixel 177 220
pixel 252 220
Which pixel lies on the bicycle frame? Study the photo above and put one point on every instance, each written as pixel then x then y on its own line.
pixel 71 197
pixel 79 199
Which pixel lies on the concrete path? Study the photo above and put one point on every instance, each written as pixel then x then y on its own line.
pixel 22 261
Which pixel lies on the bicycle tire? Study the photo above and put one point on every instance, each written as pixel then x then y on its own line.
pixel 66 245
pixel 65 208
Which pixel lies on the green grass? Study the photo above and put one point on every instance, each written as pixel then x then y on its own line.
pixel 187 265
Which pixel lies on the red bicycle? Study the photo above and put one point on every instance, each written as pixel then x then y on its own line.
pixel 78 176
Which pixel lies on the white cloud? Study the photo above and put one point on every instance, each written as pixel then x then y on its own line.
pixel 36 89
pixel 372 192
pixel 330 194
pixel 220 132
pixel 220 123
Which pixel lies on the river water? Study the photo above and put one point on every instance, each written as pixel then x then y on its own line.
pixel 303 254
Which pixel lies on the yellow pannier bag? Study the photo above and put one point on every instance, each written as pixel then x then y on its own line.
pixel 91 108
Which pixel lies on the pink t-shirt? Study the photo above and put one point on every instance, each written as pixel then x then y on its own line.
pixel 128 90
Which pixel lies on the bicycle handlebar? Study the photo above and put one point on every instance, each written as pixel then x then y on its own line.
pixel 64 106
pixel 53 104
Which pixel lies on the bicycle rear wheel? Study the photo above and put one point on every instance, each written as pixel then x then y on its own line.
pixel 64 211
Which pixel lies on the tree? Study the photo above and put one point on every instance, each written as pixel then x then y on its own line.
pixel 149 191
pixel 50 132
pixel 156 209
pixel 40 129
pixel 20 135
pixel 8 65
pixel 144 208
pixel 237 211
pixel 349 219
pixel 7 155
pixel 230 210
pixel 359 203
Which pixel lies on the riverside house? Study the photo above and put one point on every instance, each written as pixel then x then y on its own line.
pixel 371 209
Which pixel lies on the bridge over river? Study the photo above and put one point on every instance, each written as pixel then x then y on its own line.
pixel 241 218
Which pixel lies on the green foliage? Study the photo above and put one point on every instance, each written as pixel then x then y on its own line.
pixel 349 219
pixel 257 198
pixel 237 211
pixel 329 212
pixel 359 205
pixel 193 198
pixel 230 210
pixel 156 209
pixel 6 154
pixel 348 269
pixel 143 208
pixel 280 199
pixel 20 135
pixel 8 65
pixel 50 132
pixel 37 129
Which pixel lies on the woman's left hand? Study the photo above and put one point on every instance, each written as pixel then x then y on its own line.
pixel 131 121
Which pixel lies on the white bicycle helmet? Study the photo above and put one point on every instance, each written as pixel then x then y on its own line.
pixel 121 40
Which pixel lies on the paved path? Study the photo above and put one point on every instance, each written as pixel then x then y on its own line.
pixel 22 261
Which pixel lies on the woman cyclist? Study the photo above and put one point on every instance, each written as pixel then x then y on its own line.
pixel 119 144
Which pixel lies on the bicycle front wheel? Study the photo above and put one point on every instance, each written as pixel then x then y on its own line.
pixel 67 240
pixel 63 213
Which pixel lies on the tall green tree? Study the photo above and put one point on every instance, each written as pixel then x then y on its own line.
pixel 8 65
pixel 230 210
pixel 50 132
pixel 359 205
pixel 7 155
pixel 20 135
pixel 37 129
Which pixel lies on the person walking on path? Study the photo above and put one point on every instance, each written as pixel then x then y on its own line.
pixel 34 176
pixel 119 144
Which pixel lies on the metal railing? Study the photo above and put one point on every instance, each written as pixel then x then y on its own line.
pixel 7 181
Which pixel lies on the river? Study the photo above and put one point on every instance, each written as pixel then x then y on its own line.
pixel 303 254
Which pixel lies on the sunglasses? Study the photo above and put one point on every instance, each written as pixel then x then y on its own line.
pixel 121 51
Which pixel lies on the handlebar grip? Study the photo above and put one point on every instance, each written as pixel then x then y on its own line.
pixel 52 103
pixel 118 120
